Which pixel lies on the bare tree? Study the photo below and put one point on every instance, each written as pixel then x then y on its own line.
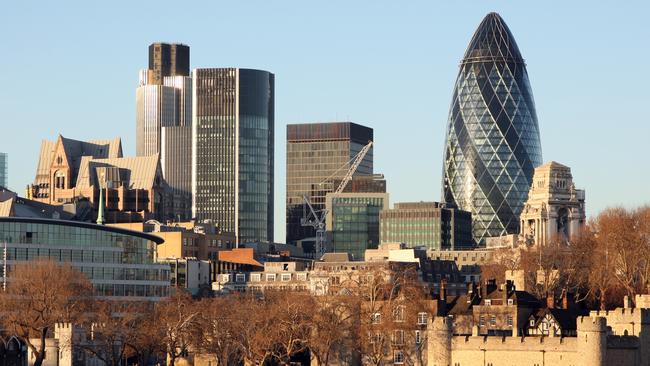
pixel 40 294
pixel 114 329
pixel 334 324
pixel 176 317
pixel 217 330
pixel 257 331
pixel 292 313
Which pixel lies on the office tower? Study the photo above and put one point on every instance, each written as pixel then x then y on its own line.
pixel 318 153
pixel 428 224
pixel 492 144
pixel 353 221
pixel 167 59
pixel 164 118
pixel 155 107
pixel 232 151
pixel 4 170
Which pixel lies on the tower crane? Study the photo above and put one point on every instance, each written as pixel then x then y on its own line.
pixel 316 218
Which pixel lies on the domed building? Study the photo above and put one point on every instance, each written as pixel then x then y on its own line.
pixel 492 143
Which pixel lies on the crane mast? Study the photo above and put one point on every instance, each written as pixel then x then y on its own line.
pixel 316 218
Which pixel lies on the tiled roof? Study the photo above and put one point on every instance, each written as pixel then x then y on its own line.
pixel 135 172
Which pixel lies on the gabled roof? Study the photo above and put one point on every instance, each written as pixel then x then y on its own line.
pixel 565 318
pixel 135 172
pixel 74 150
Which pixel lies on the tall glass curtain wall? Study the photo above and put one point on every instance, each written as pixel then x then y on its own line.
pixel 219 146
pixel 355 224
pixel 104 257
pixel 214 150
pixel 256 160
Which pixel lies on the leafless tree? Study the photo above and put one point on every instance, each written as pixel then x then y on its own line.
pixel 334 323
pixel 40 294
pixel 176 317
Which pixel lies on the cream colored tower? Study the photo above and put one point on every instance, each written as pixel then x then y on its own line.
pixel 555 208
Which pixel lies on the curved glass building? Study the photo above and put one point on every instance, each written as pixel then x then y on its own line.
pixel 492 144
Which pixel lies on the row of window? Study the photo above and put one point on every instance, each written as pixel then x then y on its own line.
pixel 268 277
pixel 398 316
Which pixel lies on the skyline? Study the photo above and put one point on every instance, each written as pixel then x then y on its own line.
pixel 329 87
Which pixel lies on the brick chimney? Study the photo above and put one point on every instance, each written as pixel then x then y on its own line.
pixel 443 290
pixel 550 300
pixel 568 301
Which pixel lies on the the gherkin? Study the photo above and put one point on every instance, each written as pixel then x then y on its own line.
pixel 492 144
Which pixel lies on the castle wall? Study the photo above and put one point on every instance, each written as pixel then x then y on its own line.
pixel 510 351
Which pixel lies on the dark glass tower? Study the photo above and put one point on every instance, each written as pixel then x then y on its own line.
pixel 492 144
pixel 168 59
pixel 232 151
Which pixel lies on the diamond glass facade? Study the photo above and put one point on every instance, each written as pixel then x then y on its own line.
pixel 492 144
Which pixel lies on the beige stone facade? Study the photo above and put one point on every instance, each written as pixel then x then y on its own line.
pixel 555 208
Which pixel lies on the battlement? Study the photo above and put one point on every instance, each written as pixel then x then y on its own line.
pixel 441 324
pixel 596 324
pixel 515 343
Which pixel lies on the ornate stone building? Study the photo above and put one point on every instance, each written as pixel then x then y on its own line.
pixel 555 208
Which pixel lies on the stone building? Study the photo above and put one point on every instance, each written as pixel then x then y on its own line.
pixel 72 171
pixel 555 208
pixel 619 337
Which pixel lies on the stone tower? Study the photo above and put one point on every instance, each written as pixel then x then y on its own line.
pixel 555 208
pixel 592 341
pixel 439 346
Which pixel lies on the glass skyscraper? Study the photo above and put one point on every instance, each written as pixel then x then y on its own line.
pixel 4 176
pixel 492 143
pixel 232 151
pixel 318 156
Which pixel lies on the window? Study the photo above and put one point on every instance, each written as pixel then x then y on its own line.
pixel 240 277
pixel 270 277
pixel 509 320
pixel 398 337
pixel 398 314
pixel 493 320
pixel 511 301
pixel 256 277
pixel 422 318
pixel 532 322
pixel 225 278
pixel 286 277
pixel 488 302
pixel 418 337
pixel 376 318
pixel 302 276
pixel 481 321
pixel 398 357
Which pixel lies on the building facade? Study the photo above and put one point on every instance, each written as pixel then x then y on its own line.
pixel 164 118
pixel 73 172
pixel 232 151
pixel 119 263
pixel 353 221
pixel 492 144
pixel 428 224
pixel 4 169
pixel 555 208
pixel 168 59
pixel 316 153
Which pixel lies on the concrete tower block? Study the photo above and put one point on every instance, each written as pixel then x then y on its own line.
pixel 439 347
pixel 592 341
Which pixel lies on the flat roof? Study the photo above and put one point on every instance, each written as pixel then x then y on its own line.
pixel 85 225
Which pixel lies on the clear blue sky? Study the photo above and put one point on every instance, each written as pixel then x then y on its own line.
pixel 71 68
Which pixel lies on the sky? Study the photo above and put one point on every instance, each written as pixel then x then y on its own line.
pixel 71 68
